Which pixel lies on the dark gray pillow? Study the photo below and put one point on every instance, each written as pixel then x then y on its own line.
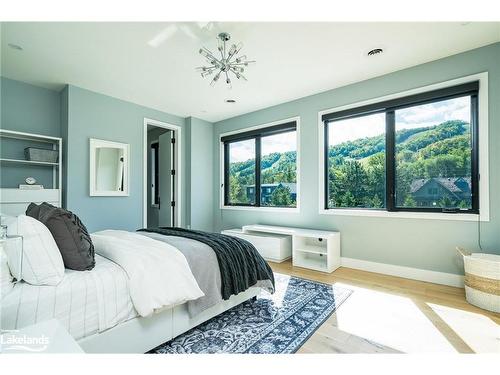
pixel 70 234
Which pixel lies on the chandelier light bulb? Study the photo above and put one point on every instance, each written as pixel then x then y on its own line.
pixel 228 62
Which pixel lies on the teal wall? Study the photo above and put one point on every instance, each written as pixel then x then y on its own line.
pixel 425 244
pixel 93 115
pixel 30 109
pixel 76 114
pixel 200 184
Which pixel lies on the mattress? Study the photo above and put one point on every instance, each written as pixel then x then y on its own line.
pixel 85 302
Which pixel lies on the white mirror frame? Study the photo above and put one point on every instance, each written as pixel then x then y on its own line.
pixel 99 143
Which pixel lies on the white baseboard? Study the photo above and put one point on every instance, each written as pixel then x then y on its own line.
pixel 406 272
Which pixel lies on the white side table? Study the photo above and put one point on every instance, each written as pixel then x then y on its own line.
pixel 13 248
pixel 317 250
pixel 44 337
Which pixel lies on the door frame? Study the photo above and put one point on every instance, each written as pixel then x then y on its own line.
pixel 177 166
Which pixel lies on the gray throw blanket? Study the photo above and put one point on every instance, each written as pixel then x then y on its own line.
pixel 240 264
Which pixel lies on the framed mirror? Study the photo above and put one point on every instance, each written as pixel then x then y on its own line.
pixel 109 168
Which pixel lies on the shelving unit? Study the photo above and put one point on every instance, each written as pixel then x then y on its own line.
pixel 313 249
pixel 20 161
pixel 13 201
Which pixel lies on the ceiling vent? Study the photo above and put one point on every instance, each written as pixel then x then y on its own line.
pixel 376 51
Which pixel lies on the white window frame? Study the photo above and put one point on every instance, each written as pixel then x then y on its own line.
pixel 222 206
pixel 483 126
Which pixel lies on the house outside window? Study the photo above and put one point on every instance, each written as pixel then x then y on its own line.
pixel 416 153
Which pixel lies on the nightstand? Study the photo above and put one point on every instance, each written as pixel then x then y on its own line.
pixel 44 337
pixel 13 248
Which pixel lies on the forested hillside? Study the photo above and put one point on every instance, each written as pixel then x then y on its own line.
pixel 357 168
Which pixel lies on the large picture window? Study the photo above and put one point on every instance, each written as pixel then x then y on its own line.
pixel 416 153
pixel 260 167
pixel 356 162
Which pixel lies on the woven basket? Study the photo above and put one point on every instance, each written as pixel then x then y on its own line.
pixel 482 279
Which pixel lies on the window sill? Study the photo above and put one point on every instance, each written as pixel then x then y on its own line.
pixel 404 215
pixel 263 209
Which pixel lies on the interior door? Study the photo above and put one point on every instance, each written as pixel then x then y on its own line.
pixel 165 179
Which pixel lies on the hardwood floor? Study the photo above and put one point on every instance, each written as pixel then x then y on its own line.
pixel 387 314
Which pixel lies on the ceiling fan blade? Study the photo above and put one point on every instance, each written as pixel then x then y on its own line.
pixel 189 30
pixel 207 26
pixel 163 35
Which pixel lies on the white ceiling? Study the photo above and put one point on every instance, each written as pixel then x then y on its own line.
pixel 293 59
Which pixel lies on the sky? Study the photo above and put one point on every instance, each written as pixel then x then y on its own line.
pixel 245 150
pixel 414 117
pixel 367 126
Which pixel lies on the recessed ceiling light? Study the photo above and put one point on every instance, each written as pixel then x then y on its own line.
pixel 230 101
pixel 375 51
pixel 15 46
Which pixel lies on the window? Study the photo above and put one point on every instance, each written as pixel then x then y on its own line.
pixel 416 153
pixel 356 162
pixel 241 172
pixel 260 167
pixel 433 155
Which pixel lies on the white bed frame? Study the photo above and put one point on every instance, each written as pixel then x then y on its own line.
pixel 139 335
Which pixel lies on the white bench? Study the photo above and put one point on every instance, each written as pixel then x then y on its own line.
pixel 314 249
pixel 273 247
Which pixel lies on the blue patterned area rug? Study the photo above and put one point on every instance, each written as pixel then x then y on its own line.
pixel 272 324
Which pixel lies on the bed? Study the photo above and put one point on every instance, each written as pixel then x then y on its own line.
pixel 127 303
pixel 85 303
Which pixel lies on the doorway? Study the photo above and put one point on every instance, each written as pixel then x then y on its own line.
pixel 162 175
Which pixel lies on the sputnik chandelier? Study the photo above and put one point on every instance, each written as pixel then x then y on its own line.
pixel 228 63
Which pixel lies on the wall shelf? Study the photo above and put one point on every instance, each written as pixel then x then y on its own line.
pixel 32 162
pixel 13 200
pixel 28 136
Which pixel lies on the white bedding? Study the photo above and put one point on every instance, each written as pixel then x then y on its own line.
pixel 85 302
pixel 159 274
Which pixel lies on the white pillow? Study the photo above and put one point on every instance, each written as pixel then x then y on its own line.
pixel 6 283
pixel 42 261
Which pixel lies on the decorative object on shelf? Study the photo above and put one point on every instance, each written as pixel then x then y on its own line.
pixel 41 154
pixel 229 61
pixel 30 184
pixel 30 187
pixel 30 180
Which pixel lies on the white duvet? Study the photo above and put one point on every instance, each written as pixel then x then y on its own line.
pixel 158 273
